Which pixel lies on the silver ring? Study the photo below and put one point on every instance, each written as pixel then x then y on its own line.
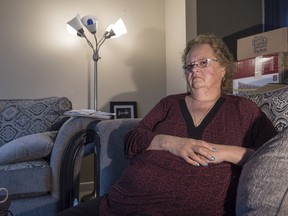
pixel 6 198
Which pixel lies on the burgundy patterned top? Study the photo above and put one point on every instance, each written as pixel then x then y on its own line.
pixel 159 183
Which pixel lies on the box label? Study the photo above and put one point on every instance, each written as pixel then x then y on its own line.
pixel 260 44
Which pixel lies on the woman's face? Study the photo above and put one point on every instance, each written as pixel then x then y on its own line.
pixel 203 73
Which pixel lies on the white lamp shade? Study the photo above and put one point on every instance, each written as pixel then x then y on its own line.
pixel 109 28
pixel 119 28
pixel 91 23
pixel 71 30
pixel 75 23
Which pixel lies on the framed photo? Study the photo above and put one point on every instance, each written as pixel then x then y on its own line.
pixel 124 109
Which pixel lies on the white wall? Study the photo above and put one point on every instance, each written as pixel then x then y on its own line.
pixel 39 58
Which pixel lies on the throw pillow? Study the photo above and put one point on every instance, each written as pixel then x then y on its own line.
pixel 274 104
pixel 21 117
pixel 263 182
pixel 30 147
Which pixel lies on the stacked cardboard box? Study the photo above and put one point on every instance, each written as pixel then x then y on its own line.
pixel 262 59
pixel 253 73
pixel 262 44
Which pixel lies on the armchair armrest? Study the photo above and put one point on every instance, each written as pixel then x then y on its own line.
pixel 66 158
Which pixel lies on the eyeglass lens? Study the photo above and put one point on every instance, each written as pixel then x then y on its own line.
pixel 200 64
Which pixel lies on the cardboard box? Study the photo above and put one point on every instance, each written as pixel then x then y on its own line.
pixel 251 74
pixel 262 44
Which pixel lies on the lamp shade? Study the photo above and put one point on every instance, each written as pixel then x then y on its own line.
pixel 119 28
pixel 116 30
pixel 91 23
pixel 75 24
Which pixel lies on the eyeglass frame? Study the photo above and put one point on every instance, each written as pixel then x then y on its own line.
pixel 190 66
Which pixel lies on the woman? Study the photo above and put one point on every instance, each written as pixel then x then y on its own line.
pixel 187 152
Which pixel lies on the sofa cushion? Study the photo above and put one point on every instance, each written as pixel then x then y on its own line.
pixel 263 184
pixel 26 179
pixel 22 117
pixel 274 103
pixel 30 147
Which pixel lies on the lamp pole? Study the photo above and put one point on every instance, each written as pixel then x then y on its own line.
pixel 118 29
pixel 95 59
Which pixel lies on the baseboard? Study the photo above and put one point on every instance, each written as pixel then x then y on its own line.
pixel 86 187
pixel 87 191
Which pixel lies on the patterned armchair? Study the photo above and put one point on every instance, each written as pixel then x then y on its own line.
pixel 40 154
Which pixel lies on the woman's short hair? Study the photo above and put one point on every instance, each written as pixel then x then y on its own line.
pixel 222 53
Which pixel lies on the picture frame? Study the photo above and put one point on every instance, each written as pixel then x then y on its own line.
pixel 123 109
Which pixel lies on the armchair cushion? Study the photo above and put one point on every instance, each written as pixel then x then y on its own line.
pixel 26 179
pixel 30 147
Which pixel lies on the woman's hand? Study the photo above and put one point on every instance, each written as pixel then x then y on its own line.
pixel 233 154
pixel 199 152
pixel 195 152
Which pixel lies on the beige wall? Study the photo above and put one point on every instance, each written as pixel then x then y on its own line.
pixel 175 18
pixel 39 58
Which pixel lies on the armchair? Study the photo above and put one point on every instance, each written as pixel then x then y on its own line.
pixel 40 154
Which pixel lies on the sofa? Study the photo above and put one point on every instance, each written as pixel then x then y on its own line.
pixel 41 150
pixel 263 185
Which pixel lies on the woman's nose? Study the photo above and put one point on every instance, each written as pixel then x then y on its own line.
pixel 195 69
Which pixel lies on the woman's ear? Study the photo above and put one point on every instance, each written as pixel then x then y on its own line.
pixel 223 72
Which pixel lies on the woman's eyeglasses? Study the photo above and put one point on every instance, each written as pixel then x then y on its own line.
pixel 202 63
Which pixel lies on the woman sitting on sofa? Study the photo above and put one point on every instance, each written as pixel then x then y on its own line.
pixel 187 152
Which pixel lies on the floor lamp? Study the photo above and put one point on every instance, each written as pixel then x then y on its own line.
pixel 74 26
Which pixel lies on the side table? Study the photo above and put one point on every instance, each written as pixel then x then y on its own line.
pixel 90 114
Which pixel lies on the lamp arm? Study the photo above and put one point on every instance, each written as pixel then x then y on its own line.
pixel 95 38
pixel 102 40
pixel 90 44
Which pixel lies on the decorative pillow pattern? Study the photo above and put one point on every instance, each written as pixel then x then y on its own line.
pixel 22 117
pixel 30 147
pixel 263 184
pixel 274 104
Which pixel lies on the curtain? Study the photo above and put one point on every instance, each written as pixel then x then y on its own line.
pixel 276 14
